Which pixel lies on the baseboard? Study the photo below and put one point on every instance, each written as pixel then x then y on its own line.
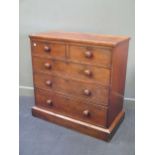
pixel 29 91
pixel 129 99
pixel 26 91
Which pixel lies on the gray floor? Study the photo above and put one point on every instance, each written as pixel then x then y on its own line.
pixel 38 137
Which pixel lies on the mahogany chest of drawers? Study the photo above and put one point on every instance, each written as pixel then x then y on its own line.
pixel 79 80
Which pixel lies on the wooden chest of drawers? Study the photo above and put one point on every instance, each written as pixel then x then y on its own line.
pixel 79 80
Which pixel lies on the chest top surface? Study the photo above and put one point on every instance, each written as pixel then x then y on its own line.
pixel 106 40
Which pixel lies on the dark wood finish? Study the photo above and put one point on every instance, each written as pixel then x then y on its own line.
pixel 82 38
pixel 86 113
pixel 118 74
pixel 80 126
pixel 49 102
pixel 89 92
pixel 48 49
pixel 79 80
pixel 47 65
pixel 72 107
pixel 91 55
pixel 85 72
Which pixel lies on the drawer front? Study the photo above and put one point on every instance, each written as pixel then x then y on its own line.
pixel 71 107
pixel 49 49
pixel 91 55
pixel 87 91
pixel 79 71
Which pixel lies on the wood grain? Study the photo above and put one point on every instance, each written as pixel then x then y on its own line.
pixel 48 49
pixel 118 75
pixel 79 80
pixel 97 39
pixel 98 94
pixel 71 107
pixel 97 74
pixel 80 126
pixel 91 55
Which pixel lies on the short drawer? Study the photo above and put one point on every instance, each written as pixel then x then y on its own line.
pixel 49 49
pixel 71 107
pixel 90 92
pixel 91 55
pixel 84 72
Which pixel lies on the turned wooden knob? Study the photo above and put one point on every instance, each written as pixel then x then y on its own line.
pixel 87 72
pixel 87 92
pixel 49 102
pixel 88 54
pixel 47 65
pixel 47 49
pixel 34 44
pixel 48 82
pixel 86 113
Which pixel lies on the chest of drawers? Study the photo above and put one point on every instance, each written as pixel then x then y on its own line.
pixel 79 80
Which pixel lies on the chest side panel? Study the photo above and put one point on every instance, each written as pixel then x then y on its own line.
pixel 118 76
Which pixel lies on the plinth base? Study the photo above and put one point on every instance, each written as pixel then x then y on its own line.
pixel 83 127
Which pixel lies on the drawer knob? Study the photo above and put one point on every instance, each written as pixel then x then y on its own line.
pixel 88 54
pixel 49 102
pixel 86 113
pixel 47 65
pixel 87 72
pixel 48 82
pixel 87 92
pixel 47 49
pixel 34 44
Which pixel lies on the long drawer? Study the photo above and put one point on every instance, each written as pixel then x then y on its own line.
pixel 85 72
pixel 71 107
pixel 90 92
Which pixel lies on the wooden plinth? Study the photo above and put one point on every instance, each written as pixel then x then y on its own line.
pixel 83 127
